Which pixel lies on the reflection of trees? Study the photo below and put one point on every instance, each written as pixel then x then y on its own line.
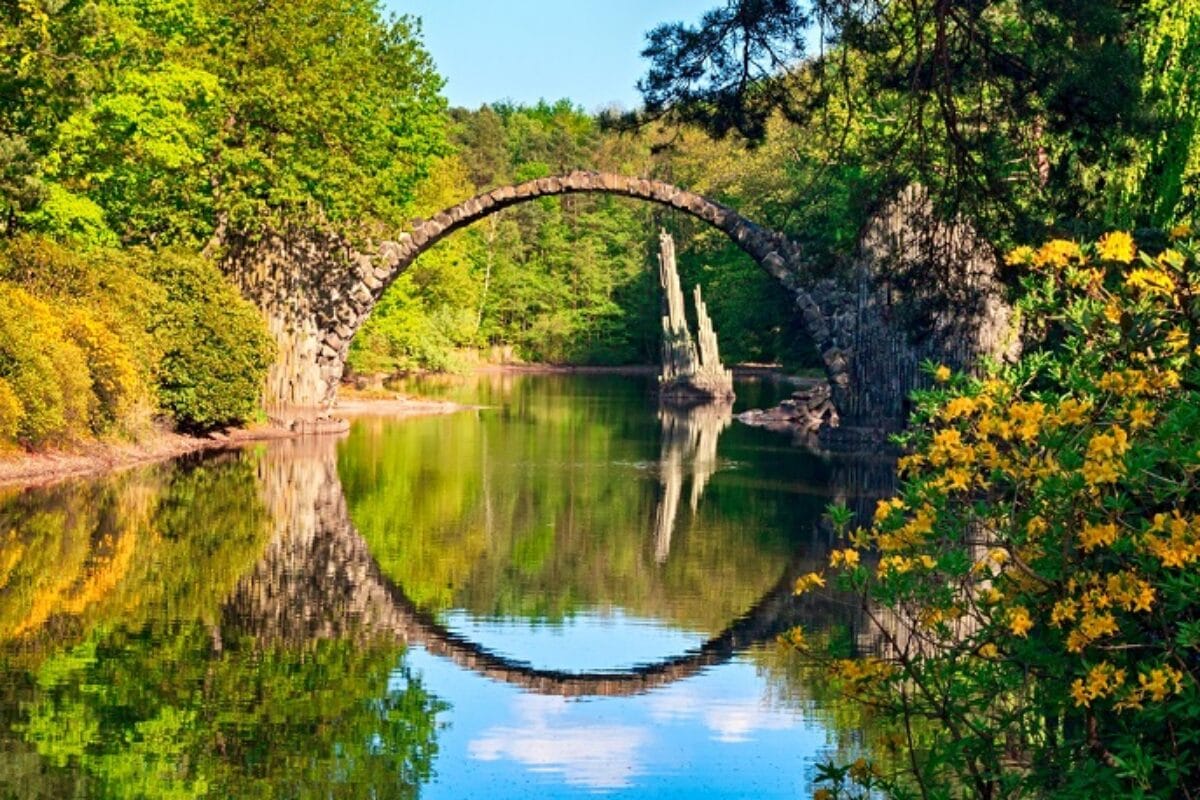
pixel 169 539
pixel 120 674
pixel 160 713
pixel 689 444
pixel 544 507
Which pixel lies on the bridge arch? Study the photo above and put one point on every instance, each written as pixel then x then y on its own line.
pixel 317 290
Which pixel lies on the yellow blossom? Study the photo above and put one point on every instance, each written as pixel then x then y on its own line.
pixel 1177 339
pixel 1019 256
pixel 941 374
pixel 958 407
pixel 847 557
pixel 1158 683
pixel 884 508
pixel 1080 693
pixel 1117 246
pixel 794 638
pixel 1093 536
pixel 1019 622
pixel 1140 416
pixel 1027 419
pixel 1151 281
pixel 1057 253
pixel 807 582
pixel 1181 231
pixel 1063 611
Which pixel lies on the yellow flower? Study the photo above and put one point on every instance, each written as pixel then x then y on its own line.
pixel 794 638
pixel 1151 281
pixel 1073 412
pixel 1019 256
pixel 1117 246
pixel 845 557
pixel 1019 622
pixel 941 374
pixel 1140 416
pixel 958 407
pixel 1057 253
pixel 1063 611
pixel 1158 683
pixel 989 650
pixel 884 508
pixel 1027 419
pixel 1093 536
pixel 1177 340
pixel 1181 231
pixel 804 583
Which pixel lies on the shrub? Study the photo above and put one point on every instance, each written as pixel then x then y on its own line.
pixel 47 372
pixel 215 346
pixel 116 383
pixel 1037 579
pixel 11 412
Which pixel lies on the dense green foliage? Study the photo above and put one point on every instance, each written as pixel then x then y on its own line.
pixel 1026 115
pixel 171 126
pixel 99 341
pixel 147 121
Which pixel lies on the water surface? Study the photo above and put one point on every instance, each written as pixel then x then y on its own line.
pixel 567 592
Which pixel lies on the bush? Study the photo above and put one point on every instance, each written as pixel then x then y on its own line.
pixel 46 371
pixel 11 412
pixel 117 386
pixel 1037 579
pixel 119 334
pixel 215 347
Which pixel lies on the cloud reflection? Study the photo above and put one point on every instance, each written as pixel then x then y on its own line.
pixel 729 720
pixel 593 756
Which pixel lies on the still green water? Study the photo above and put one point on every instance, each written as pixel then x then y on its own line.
pixel 565 592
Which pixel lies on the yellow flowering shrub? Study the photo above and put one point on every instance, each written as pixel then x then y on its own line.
pixel 1036 581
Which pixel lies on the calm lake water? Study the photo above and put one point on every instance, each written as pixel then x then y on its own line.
pixel 565 593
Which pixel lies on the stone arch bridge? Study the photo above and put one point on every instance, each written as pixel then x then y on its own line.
pixel 317 289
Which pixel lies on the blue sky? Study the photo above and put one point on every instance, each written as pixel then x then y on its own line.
pixel 526 50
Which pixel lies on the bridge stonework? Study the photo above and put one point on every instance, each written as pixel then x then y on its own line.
pixel 316 289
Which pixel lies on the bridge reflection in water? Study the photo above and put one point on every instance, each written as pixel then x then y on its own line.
pixel 318 579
